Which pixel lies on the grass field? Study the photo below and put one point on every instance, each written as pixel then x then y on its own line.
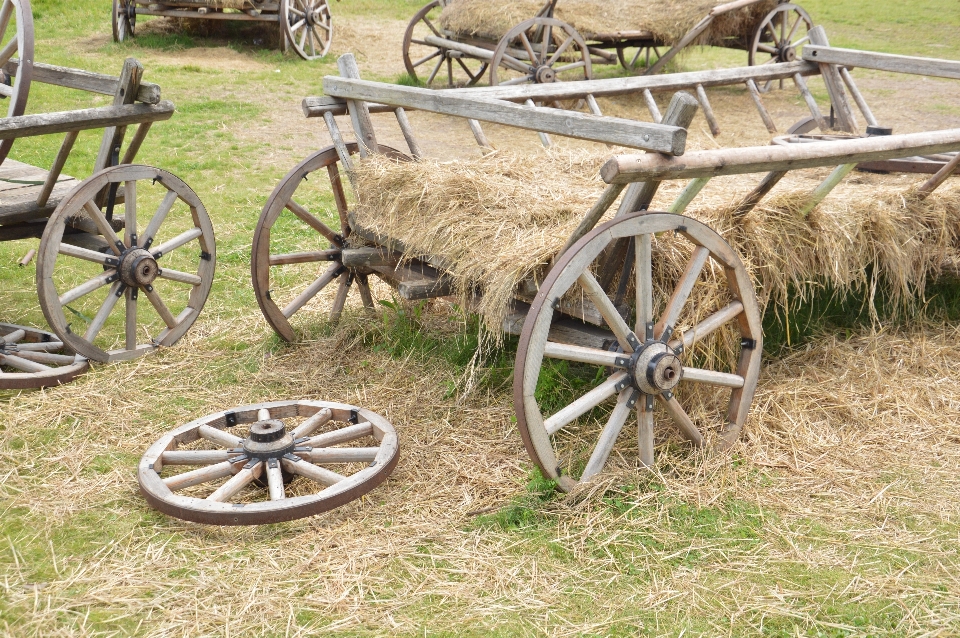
pixel 836 516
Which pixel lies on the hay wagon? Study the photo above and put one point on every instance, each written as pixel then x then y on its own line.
pixel 657 306
pixel 536 42
pixel 306 25
pixel 92 252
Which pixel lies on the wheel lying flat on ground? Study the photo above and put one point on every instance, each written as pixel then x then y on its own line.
pixel 171 262
pixel 225 457
pixel 662 358
pixel 288 247
pixel 31 358
pixel 540 51
pixel 124 20
pixel 308 26
pixel 16 41
pixel 780 37
pixel 424 61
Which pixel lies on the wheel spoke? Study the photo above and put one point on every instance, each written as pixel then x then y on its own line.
pixel 341 298
pixel 45 346
pixel 161 308
pixel 87 287
pixel 46 357
pixel 158 218
pixel 793 30
pixel 766 48
pixel 195 457
pixel 22 364
pixel 466 70
pixel 609 434
pixel 326 455
pixel 515 81
pixel 310 426
pixel 567 67
pixel 311 291
pixel 312 221
pixel 559 51
pixel 584 404
pixel 180 277
pixel 429 57
pixel 343 435
pixel 313 472
pixel 436 70
pixel 681 293
pixel 83 253
pixel 129 212
pixel 104 227
pixel 529 49
pixel 569 352
pixel 14 336
pixel 198 476
pixel 680 417
pixel 178 241
pixel 645 429
pixel 218 436
pixel 275 480
pixel 130 327
pixel 802 40
pixel 116 291
pixel 710 377
pixel 773 34
pixel 9 51
pixel 364 288
pixel 708 326
pixel 239 481
pixel 303 258
pixel 545 47
pixel 643 268
pixel 609 312
pixel 426 21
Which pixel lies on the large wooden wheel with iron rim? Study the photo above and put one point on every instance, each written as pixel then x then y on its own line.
pixel 424 57
pixel 31 358
pixel 272 452
pixel 659 355
pixel 170 261
pixel 291 239
pixel 540 51
pixel 780 37
pixel 124 20
pixel 308 26
pixel 16 41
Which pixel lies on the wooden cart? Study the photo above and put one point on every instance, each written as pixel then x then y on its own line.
pixel 547 49
pixel 93 252
pixel 640 359
pixel 306 25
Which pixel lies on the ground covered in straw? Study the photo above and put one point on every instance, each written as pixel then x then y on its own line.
pixel 835 515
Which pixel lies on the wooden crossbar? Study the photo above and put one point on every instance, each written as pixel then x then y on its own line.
pixel 83 119
pixel 932 67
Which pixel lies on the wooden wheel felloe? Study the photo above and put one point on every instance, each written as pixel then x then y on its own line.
pixel 425 60
pixel 226 461
pixel 16 41
pixel 661 356
pixel 539 51
pixel 780 37
pixel 124 20
pixel 291 240
pixel 31 358
pixel 308 26
pixel 170 261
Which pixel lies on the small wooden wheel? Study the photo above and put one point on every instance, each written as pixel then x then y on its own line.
pixel 31 358
pixel 271 453
pixel 780 37
pixel 124 19
pixel 308 26
pixel 288 247
pixel 418 51
pixel 539 51
pixel 170 261
pixel 665 358
pixel 634 59
pixel 16 41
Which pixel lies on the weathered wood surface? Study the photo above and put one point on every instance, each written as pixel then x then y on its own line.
pixel 83 119
pixel 84 80
pixel 21 184
pixel 642 135
pixel 624 169
pixel 933 67
pixel 834 83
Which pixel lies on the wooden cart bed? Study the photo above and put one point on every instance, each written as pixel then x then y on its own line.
pixel 20 187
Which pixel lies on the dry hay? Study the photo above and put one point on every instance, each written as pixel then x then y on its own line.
pixel 499 220
pixel 666 20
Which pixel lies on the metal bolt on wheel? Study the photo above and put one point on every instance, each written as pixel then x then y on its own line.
pixel 229 465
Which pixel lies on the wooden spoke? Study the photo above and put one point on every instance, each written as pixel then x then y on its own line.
pixel 83 253
pixel 336 185
pixel 710 377
pixel 708 326
pixel 161 308
pixel 181 277
pixel 609 434
pixel 14 336
pixel 560 49
pixel 130 319
pixel 567 47
pixel 365 295
pixel 346 279
pixel 682 292
pixel 46 357
pixel 584 355
pixel 609 312
pixel 158 218
pixel 180 240
pixel 31 358
pixel 643 270
pixel 312 290
pixel 687 428
pixel 130 212
pixel 116 291
pixel 103 226
pixel 645 429
pixel 305 257
pixel 343 435
pixel 313 222
pixel 87 287
pixel 40 347
pixel 529 49
pixel 426 58
pixel 584 404
pixel 22 364
pixel 433 74
pixel 264 460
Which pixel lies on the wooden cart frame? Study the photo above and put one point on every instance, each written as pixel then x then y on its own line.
pixel 305 25
pixel 544 49
pixel 640 358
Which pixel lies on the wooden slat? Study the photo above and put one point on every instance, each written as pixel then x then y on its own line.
pixel 84 80
pixel 83 119
pixel 932 67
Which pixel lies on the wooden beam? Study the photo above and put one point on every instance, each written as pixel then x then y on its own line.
pixel 834 84
pixel 84 80
pixel 625 169
pixel 83 119
pixel 643 135
pixel 933 67
pixel 359 113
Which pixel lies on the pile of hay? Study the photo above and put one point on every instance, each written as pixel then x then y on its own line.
pixel 500 219
pixel 666 20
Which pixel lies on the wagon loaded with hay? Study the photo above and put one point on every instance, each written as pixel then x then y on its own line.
pixel 622 312
pixel 305 25
pixel 92 252
pixel 537 41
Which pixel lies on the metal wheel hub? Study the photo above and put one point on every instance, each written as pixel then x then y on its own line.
pixel 787 54
pixel 138 268
pixel 268 440
pixel 544 75
pixel 655 368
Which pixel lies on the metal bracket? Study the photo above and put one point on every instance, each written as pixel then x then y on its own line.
pixel 633 341
pixel 204 255
pixel 667 333
pixel 748 344
pixel 354 415
pixel 231 419
pixel 666 394
pixel 632 401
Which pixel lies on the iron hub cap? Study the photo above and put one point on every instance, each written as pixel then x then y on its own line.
pixel 138 268
pixel 268 439
pixel 656 368
pixel 787 54
pixel 544 75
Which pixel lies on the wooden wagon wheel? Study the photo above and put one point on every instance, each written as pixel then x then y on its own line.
pixel 124 19
pixel 638 59
pixel 539 51
pixel 308 26
pixel 462 70
pixel 16 41
pixel 170 261
pixel 31 358
pixel 651 356
pixel 299 238
pixel 269 455
pixel 780 35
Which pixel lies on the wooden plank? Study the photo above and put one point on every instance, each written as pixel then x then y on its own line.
pixel 84 80
pixel 932 67
pixel 624 169
pixel 648 136
pixel 83 119
pixel 359 114
pixel 834 84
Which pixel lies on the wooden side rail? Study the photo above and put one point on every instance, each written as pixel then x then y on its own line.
pixel 932 67
pixel 84 119
pixel 84 80
pixel 625 169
